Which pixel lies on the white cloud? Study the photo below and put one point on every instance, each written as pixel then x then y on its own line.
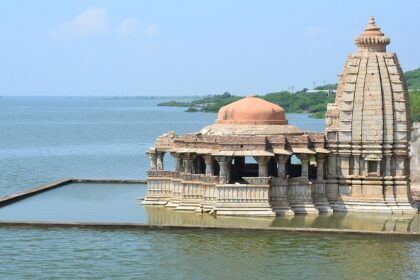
pixel 90 21
pixel 95 21
pixel 152 30
pixel 127 27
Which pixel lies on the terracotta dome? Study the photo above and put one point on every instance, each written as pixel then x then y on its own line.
pixel 251 110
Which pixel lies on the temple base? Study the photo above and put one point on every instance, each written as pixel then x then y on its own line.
pixel 283 210
pixel 192 205
pixel 155 200
pixel 304 208
pixel 236 209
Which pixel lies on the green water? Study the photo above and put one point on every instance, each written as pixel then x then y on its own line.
pixel 141 254
pixel 118 203
pixel 43 139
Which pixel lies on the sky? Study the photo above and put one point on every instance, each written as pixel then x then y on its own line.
pixel 183 48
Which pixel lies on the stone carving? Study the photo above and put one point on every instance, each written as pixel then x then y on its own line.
pixel 370 139
pixel 415 162
pixel 251 162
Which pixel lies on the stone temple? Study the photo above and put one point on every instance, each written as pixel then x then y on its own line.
pixel 251 162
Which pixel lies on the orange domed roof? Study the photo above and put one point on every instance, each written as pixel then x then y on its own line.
pixel 251 110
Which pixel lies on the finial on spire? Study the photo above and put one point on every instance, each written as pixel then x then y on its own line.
pixel 372 39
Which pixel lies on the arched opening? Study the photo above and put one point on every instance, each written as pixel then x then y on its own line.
pixel 294 167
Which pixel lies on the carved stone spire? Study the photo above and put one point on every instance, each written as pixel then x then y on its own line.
pixel 368 131
pixel 372 39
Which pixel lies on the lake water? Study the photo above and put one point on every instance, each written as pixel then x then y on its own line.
pixel 43 139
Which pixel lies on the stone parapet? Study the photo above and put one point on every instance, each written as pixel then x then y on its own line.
pixel 260 196
pixel 243 200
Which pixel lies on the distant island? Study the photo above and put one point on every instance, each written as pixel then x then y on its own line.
pixel 313 102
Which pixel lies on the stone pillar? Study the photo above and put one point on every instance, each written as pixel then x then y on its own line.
pixel 387 167
pixel 282 161
pixel 363 167
pixel 400 165
pixel 262 166
pixel 305 165
pixel 332 165
pixel 223 178
pixel 153 159
pixel 159 161
pixel 344 165
pixel 228 169
pixel 178 161
pixel 209 165
pixel 320 160
pixel 388 183
pixel 356 165
pixel 189 166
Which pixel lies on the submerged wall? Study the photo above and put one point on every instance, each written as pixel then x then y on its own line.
pixel 415 161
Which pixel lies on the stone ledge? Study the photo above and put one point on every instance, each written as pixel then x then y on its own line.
pixel 137 226
pixel 8 199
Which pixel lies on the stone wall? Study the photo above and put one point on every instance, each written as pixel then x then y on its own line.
pixel 415 161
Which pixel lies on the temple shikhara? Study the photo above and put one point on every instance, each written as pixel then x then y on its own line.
pixel 252 162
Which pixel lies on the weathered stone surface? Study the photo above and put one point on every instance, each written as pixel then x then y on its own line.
pixel 415 162
pixel 364 151
pixel 372 112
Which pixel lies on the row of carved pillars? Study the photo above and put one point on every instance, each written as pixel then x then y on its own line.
pixel 185 163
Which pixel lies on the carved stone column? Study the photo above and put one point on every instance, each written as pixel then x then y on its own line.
pixel 356 152
pixel 153 159
pixel 320 160
pixel 332 165
pixel 344 165
pixel 356 165
pixel 319 187
pixel 387 167
pixel 262 166
pixel 282 161
pixel 228 169
pixel 209 165
pixel 188 159
pixel 159 161
pixel 305 165
pixel 178 161
pixel 223 178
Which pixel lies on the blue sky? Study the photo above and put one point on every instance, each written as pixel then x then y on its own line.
pixel 124 48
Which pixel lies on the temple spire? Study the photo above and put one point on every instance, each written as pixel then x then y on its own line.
pixel 372 39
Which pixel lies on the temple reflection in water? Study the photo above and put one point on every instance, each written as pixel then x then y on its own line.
pixel 344 221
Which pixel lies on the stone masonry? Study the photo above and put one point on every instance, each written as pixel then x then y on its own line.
pixel 368 131
pixel 251 162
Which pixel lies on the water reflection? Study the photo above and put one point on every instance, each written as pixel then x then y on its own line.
pixel 350 221
pixel 166 216
pixel 117 203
